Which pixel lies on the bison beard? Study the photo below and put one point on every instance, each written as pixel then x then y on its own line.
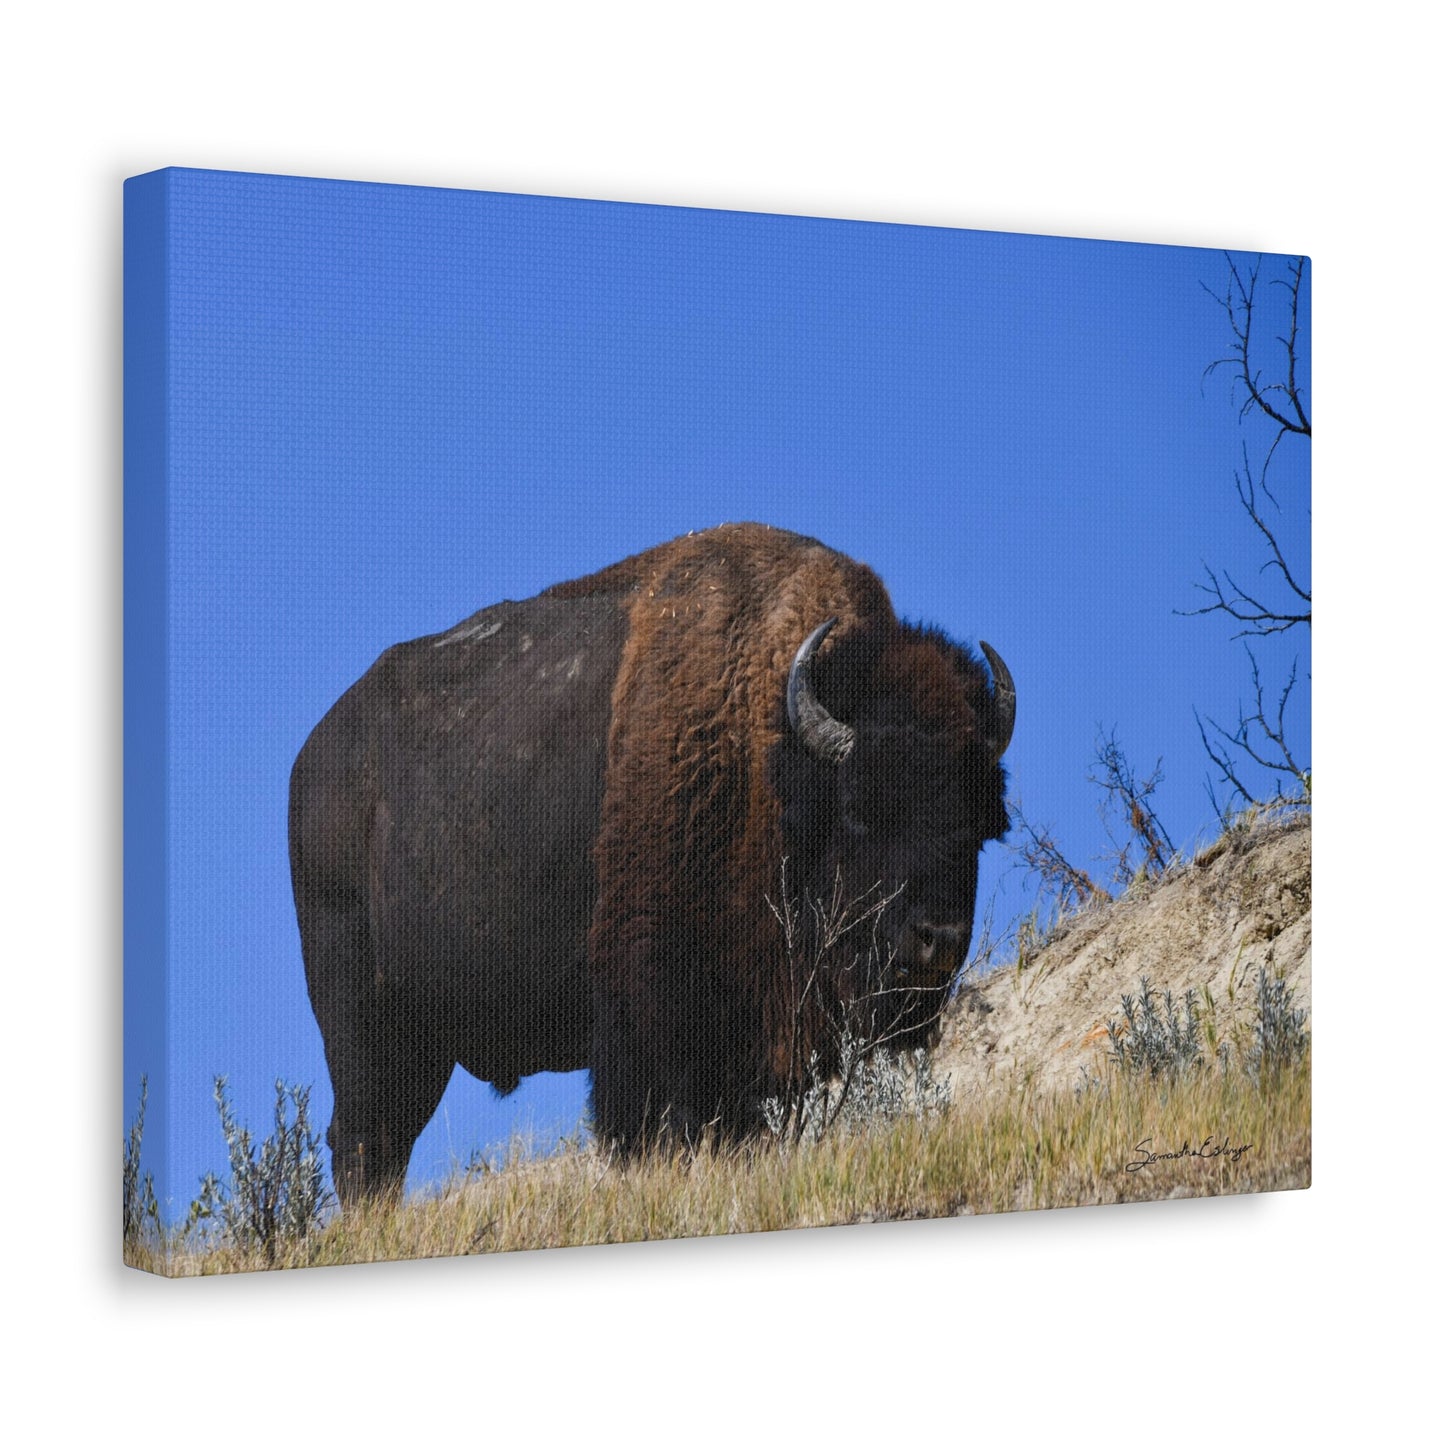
pixel 548 839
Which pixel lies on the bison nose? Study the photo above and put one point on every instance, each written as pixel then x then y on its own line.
pixel 931 953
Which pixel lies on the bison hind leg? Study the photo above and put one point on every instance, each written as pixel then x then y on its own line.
pixel 376 1123
pixel 388 1071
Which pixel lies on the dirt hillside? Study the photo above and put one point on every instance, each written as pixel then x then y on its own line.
pixel 1241 904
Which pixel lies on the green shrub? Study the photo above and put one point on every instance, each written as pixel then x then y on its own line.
pixel 1155 1043
pixel 138 1193
pixel 1280 1037
pixel 1162 1039
pixel 874 1089
pixel 272 1199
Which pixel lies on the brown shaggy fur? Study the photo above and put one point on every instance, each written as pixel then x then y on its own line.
pixel 692 995
pixel 548 838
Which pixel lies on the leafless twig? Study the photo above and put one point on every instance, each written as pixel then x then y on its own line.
pixel 846 1010
pixel 1279 400
pixel 1043 854
pixel 1260 618
pixel 1131 794
pixel 1258 736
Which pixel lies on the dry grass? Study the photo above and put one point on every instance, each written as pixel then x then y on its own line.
pixel 1027 1129
pixel 1032 1151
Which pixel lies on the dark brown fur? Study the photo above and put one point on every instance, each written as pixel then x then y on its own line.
pixel 687 1003
pixel 695 1004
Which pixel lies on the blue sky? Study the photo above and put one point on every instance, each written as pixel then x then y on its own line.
pixel 391 405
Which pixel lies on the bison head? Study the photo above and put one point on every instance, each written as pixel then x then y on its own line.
pixel 891 784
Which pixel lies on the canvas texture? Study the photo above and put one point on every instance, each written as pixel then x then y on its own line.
pixel 644 722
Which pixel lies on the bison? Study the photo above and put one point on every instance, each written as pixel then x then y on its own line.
pixel 560 835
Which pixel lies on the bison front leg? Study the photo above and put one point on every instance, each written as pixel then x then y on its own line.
pixel 656 1080
pixel 628 1092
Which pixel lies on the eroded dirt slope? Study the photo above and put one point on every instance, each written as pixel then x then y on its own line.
pixel 1242 904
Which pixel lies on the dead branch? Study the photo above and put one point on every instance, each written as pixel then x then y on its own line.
pixel 1260 618
pixel 1130 794
pixel 1260 737
pixel 1044 856
pixel 1238 302
pixel 841 998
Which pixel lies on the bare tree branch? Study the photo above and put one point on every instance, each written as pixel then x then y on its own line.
pixel 1238 302
pixel 1252 511
pixel 845 1008
pixel 1297 268
pixel 1260 617
pixel 1124 789
pixel 1043 854
pixel 1260 737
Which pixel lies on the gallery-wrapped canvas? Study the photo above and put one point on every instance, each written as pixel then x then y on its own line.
pixel 646 722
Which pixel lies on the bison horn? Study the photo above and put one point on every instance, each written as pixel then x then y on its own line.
pixel 820 732
pixel 1005 703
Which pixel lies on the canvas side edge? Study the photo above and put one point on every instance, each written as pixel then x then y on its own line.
pixel 146 420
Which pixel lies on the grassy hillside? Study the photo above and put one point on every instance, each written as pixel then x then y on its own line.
pixel 1049 1097
pixel 1039 1152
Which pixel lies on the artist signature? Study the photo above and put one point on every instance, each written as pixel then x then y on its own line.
pixel 1206 1150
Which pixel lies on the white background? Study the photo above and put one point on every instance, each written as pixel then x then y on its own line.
pixel 1254 127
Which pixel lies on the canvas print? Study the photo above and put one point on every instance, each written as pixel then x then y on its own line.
pixel 645 722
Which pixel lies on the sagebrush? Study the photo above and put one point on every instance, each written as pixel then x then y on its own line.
pixel 1280 1038
pixel 273 1197
pixel 873 1089
pixel 1157 1037
pixel 139 1207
